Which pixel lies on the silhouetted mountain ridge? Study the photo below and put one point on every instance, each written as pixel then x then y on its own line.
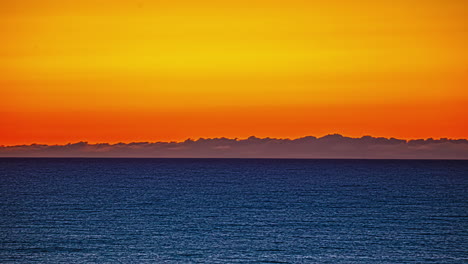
pixel 329 146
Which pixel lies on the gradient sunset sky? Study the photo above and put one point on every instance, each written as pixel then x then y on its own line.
pixel 114 70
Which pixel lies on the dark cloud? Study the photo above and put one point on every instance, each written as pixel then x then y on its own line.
pixel 330 146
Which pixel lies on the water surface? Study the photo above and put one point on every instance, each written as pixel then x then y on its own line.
pixel 233 211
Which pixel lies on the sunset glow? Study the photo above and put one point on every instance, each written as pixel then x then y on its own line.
pixel 123 71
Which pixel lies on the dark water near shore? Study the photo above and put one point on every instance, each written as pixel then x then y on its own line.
pixel 233 211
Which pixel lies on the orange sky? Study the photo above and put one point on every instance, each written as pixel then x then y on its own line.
pixel 110 71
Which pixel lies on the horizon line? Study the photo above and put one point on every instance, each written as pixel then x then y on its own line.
pixel 237 139
pixel 233 158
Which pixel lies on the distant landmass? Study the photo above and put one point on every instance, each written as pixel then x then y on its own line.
pixel 328 147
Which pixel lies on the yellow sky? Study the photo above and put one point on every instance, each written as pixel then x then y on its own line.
pixel 165 57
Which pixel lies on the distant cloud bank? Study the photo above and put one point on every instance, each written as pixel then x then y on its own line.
pixel 330 146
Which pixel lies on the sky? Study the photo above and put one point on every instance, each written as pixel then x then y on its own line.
pixel 127 71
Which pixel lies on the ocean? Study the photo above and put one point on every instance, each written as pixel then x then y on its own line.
pixel 233 211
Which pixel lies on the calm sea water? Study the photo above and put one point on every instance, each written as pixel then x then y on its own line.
pixel 233 211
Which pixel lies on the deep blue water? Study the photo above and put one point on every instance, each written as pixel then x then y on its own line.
pixel 233 211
